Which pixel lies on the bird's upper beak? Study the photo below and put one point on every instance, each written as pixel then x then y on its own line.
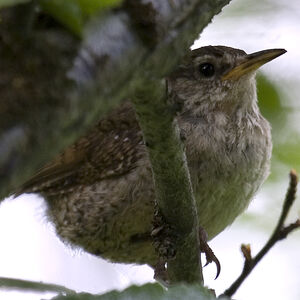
pixel 252 62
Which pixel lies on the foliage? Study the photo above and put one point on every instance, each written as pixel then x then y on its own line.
pixel 71 13
pixel 285 139
pixel 147 292
pixel 74 13
pixel 4 3
pixel 270 102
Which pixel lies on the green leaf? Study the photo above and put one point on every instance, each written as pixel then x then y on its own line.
pixel 286 140
pixel 71 13
pixel 74 13
pixel 148 292
pixel 11 2
pixel 269 102
pixel 67 12
pixel 90 7
pixel 288 153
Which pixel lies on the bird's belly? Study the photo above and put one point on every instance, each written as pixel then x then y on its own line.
pixel 221 202
pixel 223 190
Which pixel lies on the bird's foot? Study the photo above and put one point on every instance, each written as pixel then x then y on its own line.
pixel 160 273
pixel 163 236
pixel 163 240
pixel 209 254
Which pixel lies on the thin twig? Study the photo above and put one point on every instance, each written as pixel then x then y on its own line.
pixel 279 233
pixel 19 284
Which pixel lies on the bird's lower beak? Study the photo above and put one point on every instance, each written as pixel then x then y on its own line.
pixel 252 62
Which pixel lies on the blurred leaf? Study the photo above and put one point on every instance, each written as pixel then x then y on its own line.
pixel 71 13
pixel 68 12
pixel 270 104
pixel 11 2
pixel 93 6
pixel 289 153
pixel 286 149
pixel 74 13
pixel 148 292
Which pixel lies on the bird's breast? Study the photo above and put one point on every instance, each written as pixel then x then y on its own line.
pixel 227 164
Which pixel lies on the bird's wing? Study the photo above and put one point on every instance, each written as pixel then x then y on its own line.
pixel 111 148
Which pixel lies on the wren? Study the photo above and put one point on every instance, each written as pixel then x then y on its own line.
pixel 99 191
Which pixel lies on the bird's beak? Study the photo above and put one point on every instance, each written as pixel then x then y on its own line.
pixel 252 62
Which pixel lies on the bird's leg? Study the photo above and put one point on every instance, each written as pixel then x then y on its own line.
pixel 209 254
pixel 160 272
pixel 163 239
pixel 163 236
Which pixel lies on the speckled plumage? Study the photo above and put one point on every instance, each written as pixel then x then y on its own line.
pixel 100 193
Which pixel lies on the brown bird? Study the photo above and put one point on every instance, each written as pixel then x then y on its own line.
pixel 99 191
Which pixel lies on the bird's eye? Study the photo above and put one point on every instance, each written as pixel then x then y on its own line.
pixel 207 69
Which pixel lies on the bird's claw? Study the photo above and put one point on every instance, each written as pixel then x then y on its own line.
pixel 209 254
pixel 160 273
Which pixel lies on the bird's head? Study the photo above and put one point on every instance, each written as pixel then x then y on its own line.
pixel 217 78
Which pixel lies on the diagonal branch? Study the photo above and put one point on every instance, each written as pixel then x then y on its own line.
pixel 280 232
pixel 54 86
